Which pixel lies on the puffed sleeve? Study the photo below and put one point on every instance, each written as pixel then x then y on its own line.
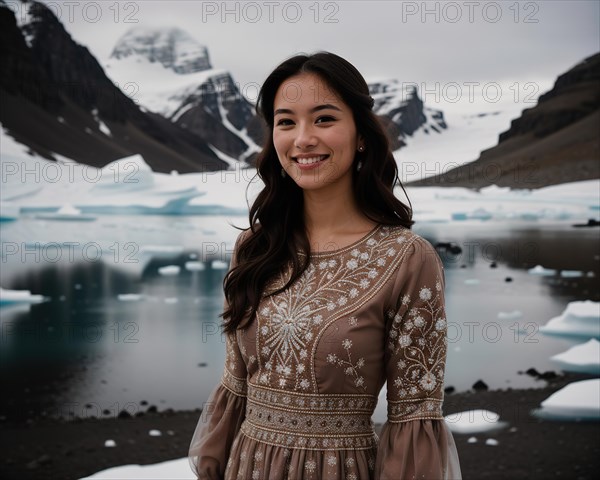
pixel 415 442
pixel 222 414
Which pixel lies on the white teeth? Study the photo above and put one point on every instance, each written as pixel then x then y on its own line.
pixel 308 161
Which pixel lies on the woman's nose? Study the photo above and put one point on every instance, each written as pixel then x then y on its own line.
pixel 305 136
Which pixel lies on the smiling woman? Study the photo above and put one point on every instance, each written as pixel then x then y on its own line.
pixel 329 295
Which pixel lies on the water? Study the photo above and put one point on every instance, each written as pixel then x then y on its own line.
pixel 87 353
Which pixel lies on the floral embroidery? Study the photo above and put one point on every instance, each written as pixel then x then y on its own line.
pixel 328 289
pixel 351 369
pixel 417 340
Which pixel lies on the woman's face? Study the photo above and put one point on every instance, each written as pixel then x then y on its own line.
pixel 314 133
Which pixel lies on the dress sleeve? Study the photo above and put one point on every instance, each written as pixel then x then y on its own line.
pixel 415 442
pixel 222 414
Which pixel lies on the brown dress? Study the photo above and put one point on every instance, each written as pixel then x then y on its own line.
pixel 301 383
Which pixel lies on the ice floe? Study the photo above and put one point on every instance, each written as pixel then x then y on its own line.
pixel 8 211
pixel 130 297
pixel 580 319
pixel 194 266
pixel 11 297
pixel 179 469
pixel 474 421
pixel 576 401
pixel 67 212
pixel 515 314
pixel 541 271
pixel 584 357
pixel 571 273
pixel 169 270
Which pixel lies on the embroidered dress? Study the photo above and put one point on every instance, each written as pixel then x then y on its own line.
pixel 301 383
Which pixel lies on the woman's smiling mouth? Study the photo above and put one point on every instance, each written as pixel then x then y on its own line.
pixel 309 161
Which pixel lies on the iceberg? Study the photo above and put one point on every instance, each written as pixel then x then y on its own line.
pixel 576 401
pixel 169 270
pixel 168 470
pixel 580 319
pixel 8 211
pixel 541 271
pixel 474 421
pixel 130 297
pixel 219 265
pixel 11 297
pixel 67 212
pixel 584 357
pixel 510 315
pixel 194 266
pixel 571 273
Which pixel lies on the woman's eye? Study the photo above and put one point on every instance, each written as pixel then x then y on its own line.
pixel 284 122
pixel 325 118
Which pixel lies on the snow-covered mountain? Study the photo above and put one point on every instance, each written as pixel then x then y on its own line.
pixel 169 73
pixel 57 100
pixel 402 111
pixel 172 48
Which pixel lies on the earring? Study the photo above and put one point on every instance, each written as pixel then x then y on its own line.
pixel 358 166
pixel 282 173
pixel 361 149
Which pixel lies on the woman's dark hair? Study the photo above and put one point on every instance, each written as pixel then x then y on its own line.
pixel 277 234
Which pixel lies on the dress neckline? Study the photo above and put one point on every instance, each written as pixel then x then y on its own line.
pixel 365 237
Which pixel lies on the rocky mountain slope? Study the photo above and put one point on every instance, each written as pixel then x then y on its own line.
pixel 57 100
pixel 557 141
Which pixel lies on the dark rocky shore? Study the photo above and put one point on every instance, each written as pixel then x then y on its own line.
pixel 528 448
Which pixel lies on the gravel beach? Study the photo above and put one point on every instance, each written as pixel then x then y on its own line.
pixel 527 448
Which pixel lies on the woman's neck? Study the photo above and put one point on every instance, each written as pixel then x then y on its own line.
pixel 331 211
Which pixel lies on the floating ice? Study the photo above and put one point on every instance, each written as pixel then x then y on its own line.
pixel 571 273
pixel 491 441
pixel 8 211
pixel 541 271
pixel 576 401
pixel 155 433
pixel 474 421
pixel 179 469
pixel 67 212
pixel 130 297
pixel 9 297
pixel 510 315
pixel 110 443
pixel 169 270
pixel 584 357
pixel 219 265
pixel 472 440
pixel 156 250
pixel 580 319
pixel 194 266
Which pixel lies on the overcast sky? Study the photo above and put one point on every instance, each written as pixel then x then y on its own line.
pixel 413 41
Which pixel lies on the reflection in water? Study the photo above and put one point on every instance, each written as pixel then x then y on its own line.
pixel 85 352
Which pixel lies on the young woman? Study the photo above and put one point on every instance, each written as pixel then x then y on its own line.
pixel 329 296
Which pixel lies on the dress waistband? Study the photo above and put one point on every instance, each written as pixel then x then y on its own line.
pixel 309 421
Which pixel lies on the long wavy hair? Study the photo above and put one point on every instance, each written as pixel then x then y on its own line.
pixel 277 235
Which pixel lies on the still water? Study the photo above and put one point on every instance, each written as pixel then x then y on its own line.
pixel 87 352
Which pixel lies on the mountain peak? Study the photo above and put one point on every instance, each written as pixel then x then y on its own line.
pixel 172 47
